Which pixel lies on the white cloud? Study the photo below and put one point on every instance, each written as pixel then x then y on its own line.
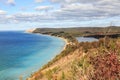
pixel 74 1
pixel 43 8
pixel 87 9
pixel 2 12
pixel 3 18
pixel 30 17
pixel 38 1
pixel 11 2
pixel 70 10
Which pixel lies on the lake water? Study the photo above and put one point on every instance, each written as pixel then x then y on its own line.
pixel 21 54
pixel 86 39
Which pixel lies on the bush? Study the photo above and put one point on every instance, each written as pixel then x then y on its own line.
pixel 106 67
pixel 49 74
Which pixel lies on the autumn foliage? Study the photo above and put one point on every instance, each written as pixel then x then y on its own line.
pixel 106 67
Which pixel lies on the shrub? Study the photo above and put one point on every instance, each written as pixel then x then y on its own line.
pixel 49 74
pixel 106 67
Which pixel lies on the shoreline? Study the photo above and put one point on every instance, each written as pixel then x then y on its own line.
pixel 65 40
pixel 66 43
pixel 74 62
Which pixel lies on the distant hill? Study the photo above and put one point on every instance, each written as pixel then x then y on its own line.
pixel 82 31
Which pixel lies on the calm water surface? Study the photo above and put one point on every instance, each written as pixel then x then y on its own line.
pixel 86 39
pixel 22 54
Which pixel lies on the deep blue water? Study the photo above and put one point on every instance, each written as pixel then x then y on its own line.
pixel 21 54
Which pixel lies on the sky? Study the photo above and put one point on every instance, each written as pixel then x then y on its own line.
pixel 28 14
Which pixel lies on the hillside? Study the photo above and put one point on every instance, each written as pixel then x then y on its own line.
pixel 88 61
pixel 82 61
pixel 81 31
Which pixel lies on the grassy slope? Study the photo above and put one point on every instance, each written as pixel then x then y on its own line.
pixel 89 61
pixel 83 61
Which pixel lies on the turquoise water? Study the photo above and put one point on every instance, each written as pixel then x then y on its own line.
pixel 21 54
pixel 86 39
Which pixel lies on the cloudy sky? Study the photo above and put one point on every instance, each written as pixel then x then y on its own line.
pixel 26 14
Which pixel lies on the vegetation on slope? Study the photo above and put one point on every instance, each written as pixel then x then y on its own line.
pixel 82 31
pixel 70 46
pixel 83 61
pixel 88 61
pixel 61 34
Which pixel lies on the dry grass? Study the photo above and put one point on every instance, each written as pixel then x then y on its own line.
pixel 89 61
